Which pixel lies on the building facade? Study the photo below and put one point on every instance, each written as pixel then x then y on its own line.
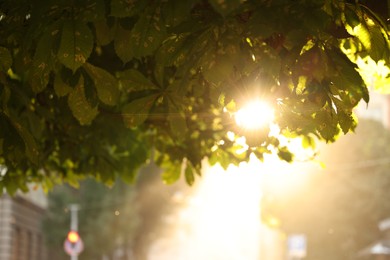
pixel 21 235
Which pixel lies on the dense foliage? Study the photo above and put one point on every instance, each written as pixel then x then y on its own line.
pixel 347 199
pixel 91 87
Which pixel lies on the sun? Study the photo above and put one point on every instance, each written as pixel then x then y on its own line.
pixel 254 115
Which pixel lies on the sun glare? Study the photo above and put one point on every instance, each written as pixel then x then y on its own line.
pixel 254 115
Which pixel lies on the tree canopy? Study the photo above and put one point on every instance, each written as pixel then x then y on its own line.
pixel 99 87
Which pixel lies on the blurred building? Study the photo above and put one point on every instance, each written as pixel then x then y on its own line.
pixel 378 250
pixel 21 236
pixel 377 109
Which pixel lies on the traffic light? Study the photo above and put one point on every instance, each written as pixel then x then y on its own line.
pixel 73 237
pixel 73 244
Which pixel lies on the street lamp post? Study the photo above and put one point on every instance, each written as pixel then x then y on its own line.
pixel 74 223
pixel 73 244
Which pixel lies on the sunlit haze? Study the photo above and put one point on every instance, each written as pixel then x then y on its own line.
pixel 222 220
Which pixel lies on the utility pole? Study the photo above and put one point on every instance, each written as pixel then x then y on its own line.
pixel 74 223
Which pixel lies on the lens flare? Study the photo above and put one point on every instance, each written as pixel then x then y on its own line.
pixel 254 115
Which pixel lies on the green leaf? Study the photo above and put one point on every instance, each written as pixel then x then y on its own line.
pixel 308 142
pixel 189 175
pixel 105 84
pixel 76 44
pixel 175 11
pixel 82 110
pixel 177 120
pixel 134 80
pixel 121 44
pixel 219 69
pixel 5 59
pixel 148 33
pixel 60 87
pixel 137 111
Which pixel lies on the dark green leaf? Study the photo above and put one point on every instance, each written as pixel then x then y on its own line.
pixel 81 109
pixel 105 84
pixel 137 111
pixel 219 69
pixel 380 47
pixel 5 59
pixel 43 60
pixel 346 121
pixel 32 150
pixel 121 44
pixel 327 125
pixel 189 175
pixel 285 154
pixel 148 33
pixel 76 44
pixel 134 80
pixel 175 11
pixel 31 147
